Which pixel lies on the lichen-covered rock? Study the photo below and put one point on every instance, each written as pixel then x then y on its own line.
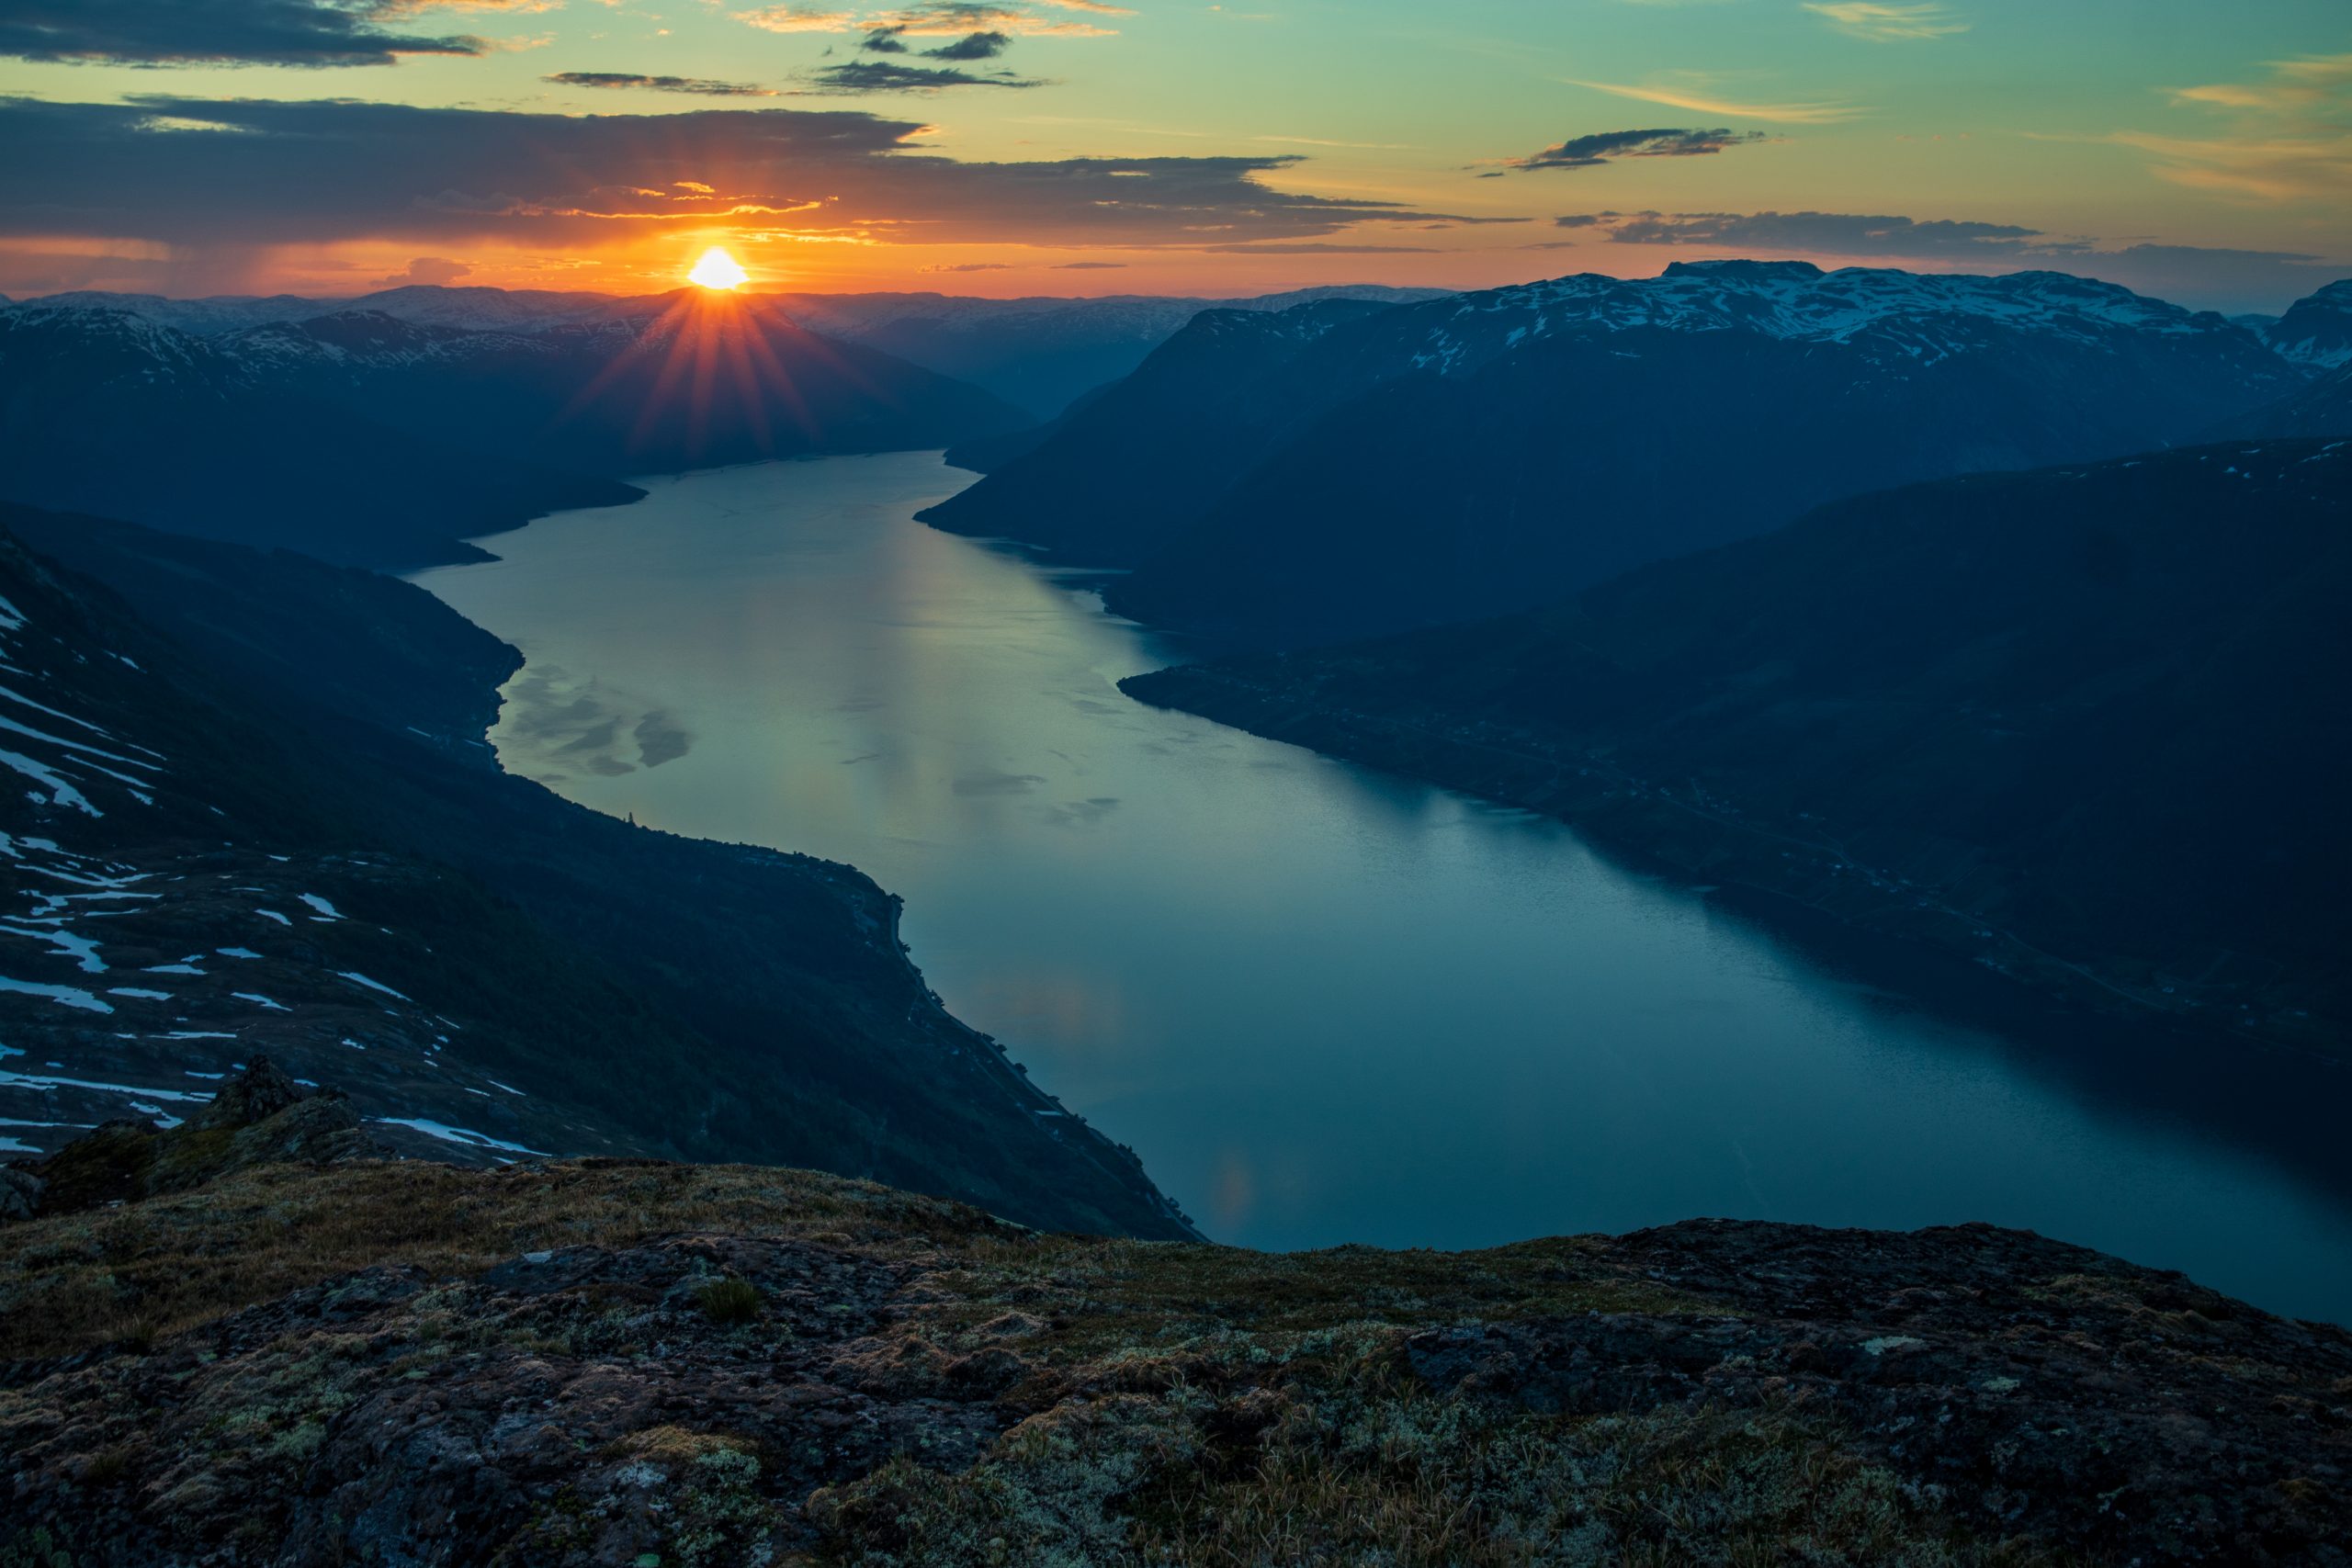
pixel 611 1364
pixel 260 1117
pixel 261 1090
pixel 21 1193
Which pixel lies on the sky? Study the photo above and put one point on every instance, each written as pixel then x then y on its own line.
pixel 2196 151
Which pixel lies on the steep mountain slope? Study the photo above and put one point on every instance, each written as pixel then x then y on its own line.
pixel 1107 484
pixel 2092 725
pixel 271 824
pixel 359 438
pixel 2324 408
pixel 108 412
pixel 617 1363
pixel 1483 452
pixel 2316 331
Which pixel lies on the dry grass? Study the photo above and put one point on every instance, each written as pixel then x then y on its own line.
pixel 153 1267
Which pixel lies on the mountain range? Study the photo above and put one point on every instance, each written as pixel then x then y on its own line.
pixel 1333 472
pixel 2085 726
pixel 362 439
pixel 1035 352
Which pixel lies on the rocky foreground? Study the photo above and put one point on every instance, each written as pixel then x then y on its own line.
pixel 240 1341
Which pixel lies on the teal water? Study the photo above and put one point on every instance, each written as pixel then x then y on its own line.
pixel 1325 1004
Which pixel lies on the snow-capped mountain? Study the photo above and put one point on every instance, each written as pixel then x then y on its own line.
pixel 1924 316
pixel 2316 331
pixel 1492 450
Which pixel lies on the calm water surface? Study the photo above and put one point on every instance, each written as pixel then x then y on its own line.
pixel 1324 1004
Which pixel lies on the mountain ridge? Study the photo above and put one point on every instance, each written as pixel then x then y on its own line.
pixel 1484 453
pixel 1957 712
pixel 367 440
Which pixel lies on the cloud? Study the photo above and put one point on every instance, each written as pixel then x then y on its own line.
pixel 434 270
pixel 264 174
pixel 883 40
pixel 1312 248
pixel 799 19
pixel 230 33
pixel 2288 136
pixel 1814 233
pixel 970 266
pixel 1591 152
pixel 972 45
pixel 1698 100
pixel 882 76
pixel 1889 23
pixel 2205 277
pixel 695 85
pixel 1088 267
pixel 936 18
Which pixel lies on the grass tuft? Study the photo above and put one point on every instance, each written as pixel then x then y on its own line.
pixel 729 1300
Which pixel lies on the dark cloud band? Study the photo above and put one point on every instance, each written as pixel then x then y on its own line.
pixel 700 86
pixel 216 32
pixel 1606 146
pixel 204 173
pixel 886 76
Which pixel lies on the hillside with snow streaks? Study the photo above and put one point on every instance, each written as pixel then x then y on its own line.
pixel 2316 331
pixel 141 958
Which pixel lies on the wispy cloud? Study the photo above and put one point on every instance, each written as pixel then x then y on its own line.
pixel 699 86
pixel 1696 97
pixel 1889 23
pixel 2288 136
pixel 1818 234
pixel 936 19
pixel 1601 147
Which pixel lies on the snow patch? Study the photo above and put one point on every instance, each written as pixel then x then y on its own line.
pixel 449 1134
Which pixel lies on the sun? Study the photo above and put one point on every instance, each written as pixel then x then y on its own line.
pixel 717 270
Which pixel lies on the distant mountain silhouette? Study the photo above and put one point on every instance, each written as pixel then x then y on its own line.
pixel 705 378
pixel 1037 352
pixel 364 438
pixel 105 412
pixel 2323 408
pixel 1487 452
pixel 2106 710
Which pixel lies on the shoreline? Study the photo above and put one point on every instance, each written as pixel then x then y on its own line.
pixel 1543 782
pixel 2154 1063
pixel 1024 1098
